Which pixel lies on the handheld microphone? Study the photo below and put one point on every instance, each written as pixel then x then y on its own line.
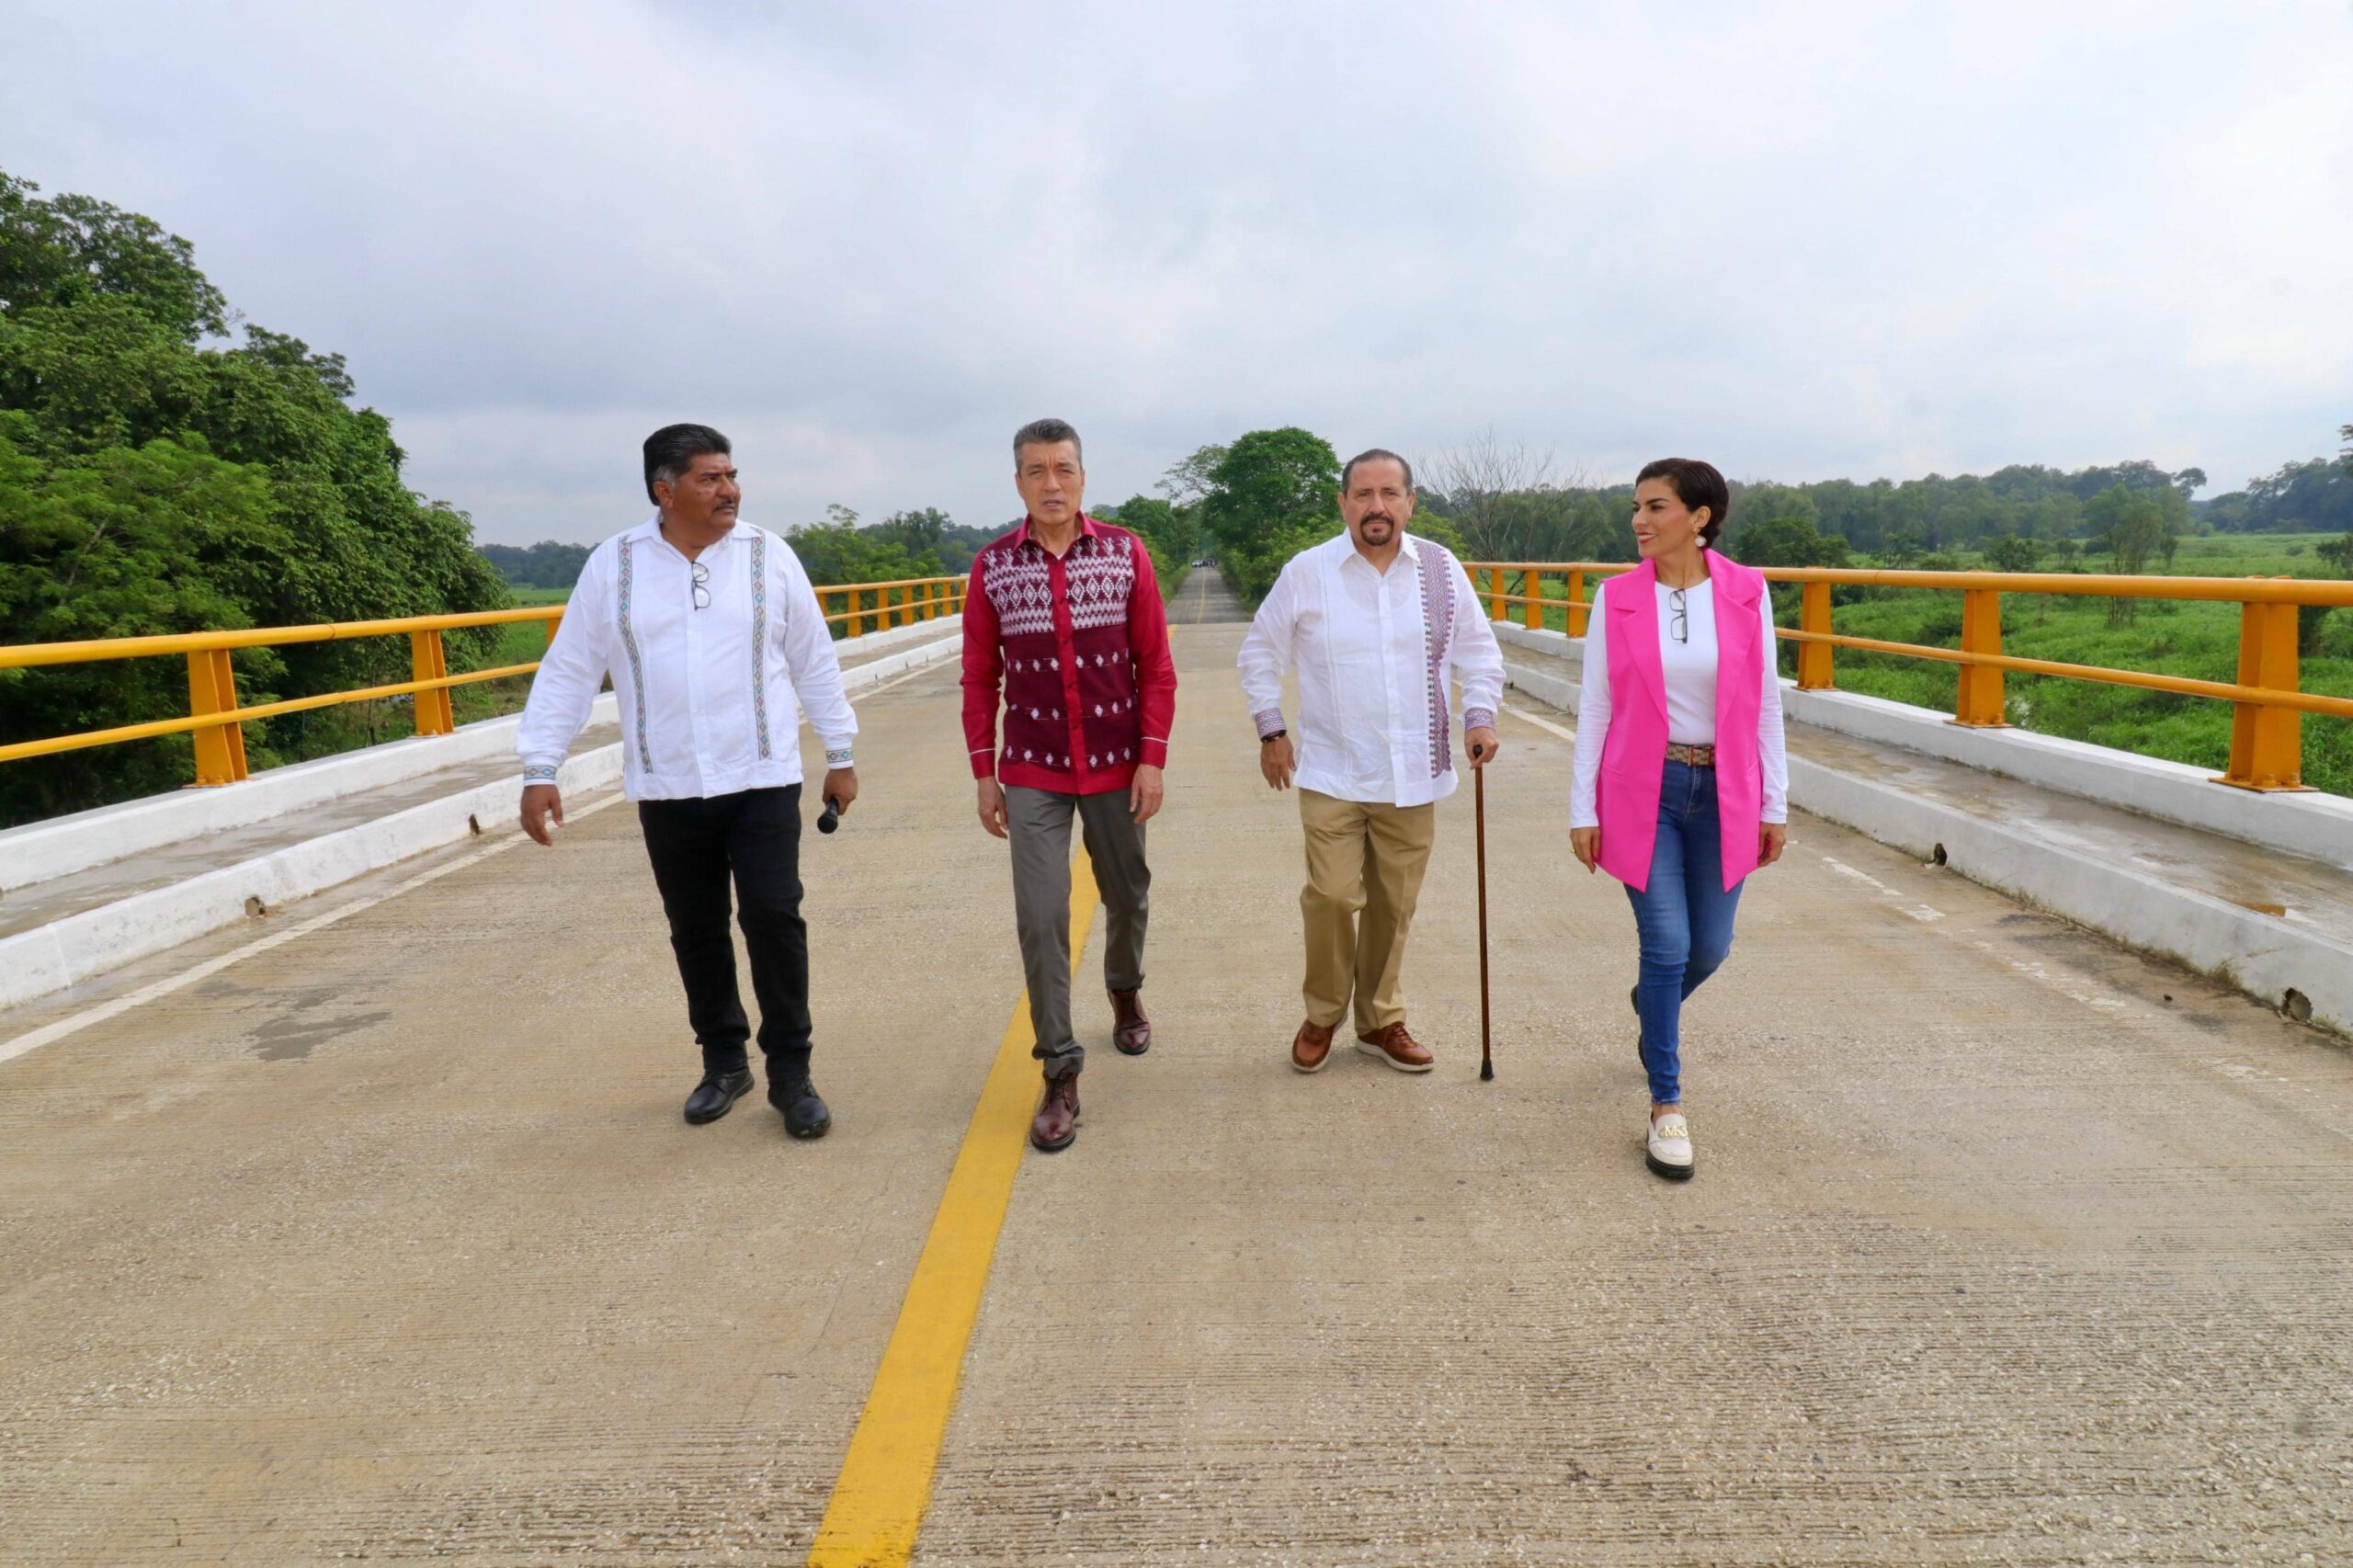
pixel 831 817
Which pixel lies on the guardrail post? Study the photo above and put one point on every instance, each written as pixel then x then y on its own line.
pixel 549 623
pixel 1533 617
pixel 2267 742
pixel 856 621
pixel 907 605
pixel 212 689
pixel 1576 609
pixel 428 660
pixel 1814 658
pixel 1979 703
pixel 1494 592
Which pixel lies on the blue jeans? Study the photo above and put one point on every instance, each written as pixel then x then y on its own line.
pixel 1683 918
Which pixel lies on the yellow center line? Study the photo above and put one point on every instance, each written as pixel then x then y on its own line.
pixel 885 1482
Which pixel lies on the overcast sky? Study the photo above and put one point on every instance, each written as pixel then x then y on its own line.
pixel 868 241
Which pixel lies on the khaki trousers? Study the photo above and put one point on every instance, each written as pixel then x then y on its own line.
pixel 1365 861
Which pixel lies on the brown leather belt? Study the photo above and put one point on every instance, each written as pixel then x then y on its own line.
pixel 1698 756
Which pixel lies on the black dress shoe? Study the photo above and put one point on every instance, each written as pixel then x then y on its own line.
pixel 717 1095
pixel 805 1114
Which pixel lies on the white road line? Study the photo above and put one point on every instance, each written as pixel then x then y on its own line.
pixel 1844 869
pixel 49 1034
pixel 2066 988
pixel 1921 912
pixel 902 679
pixel 1561 729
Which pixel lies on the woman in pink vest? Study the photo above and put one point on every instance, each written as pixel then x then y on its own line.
pixel 1682 784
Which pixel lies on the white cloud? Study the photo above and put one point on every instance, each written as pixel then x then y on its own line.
pixel 869 243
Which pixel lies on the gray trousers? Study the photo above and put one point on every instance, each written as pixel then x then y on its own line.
pixel 1038 822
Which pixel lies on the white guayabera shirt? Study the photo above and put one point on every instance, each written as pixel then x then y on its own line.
pixel 1373 650
pixel 707 695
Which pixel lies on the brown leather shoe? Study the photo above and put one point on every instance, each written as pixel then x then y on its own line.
pixel 1311 1048
pixel 1130 1031
pixel 1056 1123
pixel 1397 1048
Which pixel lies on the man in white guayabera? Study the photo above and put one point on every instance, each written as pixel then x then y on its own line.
pixel 1374 619
pixel 711 632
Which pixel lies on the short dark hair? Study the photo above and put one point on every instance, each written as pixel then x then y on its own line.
pixel 669 449
pixel 1696 484
pixel 1046 433
pixel 1374 454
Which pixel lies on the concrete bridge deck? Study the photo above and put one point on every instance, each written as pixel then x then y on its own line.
pixel 385 1242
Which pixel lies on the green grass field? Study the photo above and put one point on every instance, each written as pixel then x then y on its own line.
pixel 2167 637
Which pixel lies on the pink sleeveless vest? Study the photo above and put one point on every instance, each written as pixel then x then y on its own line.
pixel 1633 755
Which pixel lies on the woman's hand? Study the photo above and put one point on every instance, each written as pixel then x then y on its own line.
pixel 1771 837
pixel 1585 844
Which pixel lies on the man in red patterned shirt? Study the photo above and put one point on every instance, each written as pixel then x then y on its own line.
pixel 1063 623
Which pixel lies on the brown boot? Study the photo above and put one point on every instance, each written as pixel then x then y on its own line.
pixel 1397 1048
pixel 1056 1123
pixel 1311 1048
pixel 1130 1031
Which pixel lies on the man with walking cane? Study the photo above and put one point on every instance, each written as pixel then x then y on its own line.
pixel 1373 619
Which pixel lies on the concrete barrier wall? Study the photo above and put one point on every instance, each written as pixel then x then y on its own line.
pixel 65 952
pixel 2313 824
pixel 59 846
pixel 2261 955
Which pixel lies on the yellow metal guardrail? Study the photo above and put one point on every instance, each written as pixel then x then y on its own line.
pixel 215 718
pixel 2267 723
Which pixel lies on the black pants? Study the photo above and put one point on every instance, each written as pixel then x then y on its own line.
pixel 694 845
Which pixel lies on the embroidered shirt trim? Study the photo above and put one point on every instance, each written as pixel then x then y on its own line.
pixel 636 665
pixel 1438 627
pixel 760 642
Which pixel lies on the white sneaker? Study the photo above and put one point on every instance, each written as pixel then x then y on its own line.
pixel 1668 1150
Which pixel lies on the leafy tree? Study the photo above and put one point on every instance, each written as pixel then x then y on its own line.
pixel 838 552
pixel 2316 496
pixel 1189 480
pixel 2131 526
pixel 121 397
pixel 1274 493
pixel 2339 556
pixel 1785 542
pixel 1900 547
pixel 546 564
pixel 2010 552
pixel 72 249
pixel 1172 533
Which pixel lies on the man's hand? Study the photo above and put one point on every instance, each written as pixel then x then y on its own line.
pixel 542 805
pixel 841 788
pixel 1584 843
pixel 993 806
pixel 1771 837
pixel 1483 745
pixel 1143 795
pixel 1276 761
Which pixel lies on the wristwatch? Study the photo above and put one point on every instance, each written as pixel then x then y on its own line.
pixel 1275 735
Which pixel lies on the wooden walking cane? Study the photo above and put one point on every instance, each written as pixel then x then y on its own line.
pixel 1479 811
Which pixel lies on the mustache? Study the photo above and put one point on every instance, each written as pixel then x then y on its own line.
pixel 1371 518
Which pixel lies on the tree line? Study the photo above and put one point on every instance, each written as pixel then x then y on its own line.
pixel 167 466
pixel 1268 493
